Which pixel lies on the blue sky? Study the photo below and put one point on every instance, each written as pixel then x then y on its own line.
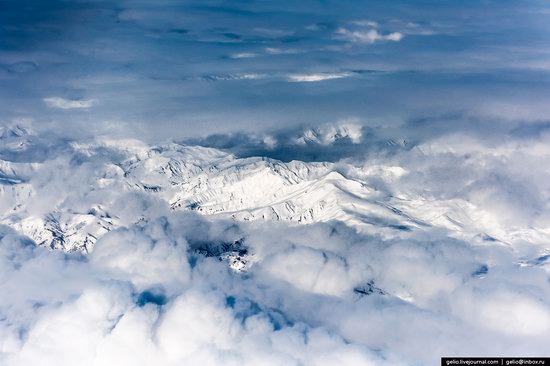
pixel 178 69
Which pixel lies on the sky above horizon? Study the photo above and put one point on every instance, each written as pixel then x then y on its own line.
pixel 168 69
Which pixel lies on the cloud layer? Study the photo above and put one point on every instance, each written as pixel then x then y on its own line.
pixel 170 287
pixel 145 297
pixel 154 70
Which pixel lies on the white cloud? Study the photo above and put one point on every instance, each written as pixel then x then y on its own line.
pixel 308 78
pixel 62 103
pixel 330 133
pixel 243 55
pixel 284 51
pixel 365 23
pixel 369 36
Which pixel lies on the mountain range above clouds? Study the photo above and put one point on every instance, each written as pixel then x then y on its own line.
pixel 378 195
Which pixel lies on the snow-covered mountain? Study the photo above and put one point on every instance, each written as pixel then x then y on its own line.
pixel 70 211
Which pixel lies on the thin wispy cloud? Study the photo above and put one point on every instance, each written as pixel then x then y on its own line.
pixel 156 54
pixel 369 36
pixel 308 78
pixel 62 103
pixel 243 55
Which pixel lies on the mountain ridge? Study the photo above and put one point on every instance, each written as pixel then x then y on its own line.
pixel 215 183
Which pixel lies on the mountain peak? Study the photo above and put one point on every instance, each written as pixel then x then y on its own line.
pixel 329 134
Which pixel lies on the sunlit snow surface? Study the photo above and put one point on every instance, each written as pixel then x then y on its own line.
pixel 178 254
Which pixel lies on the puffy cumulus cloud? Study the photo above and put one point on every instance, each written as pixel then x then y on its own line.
pixel 507 311
pixel 139 304
pixel 315 295
pixel 311 270
pixel 434 286
pixel 162 242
